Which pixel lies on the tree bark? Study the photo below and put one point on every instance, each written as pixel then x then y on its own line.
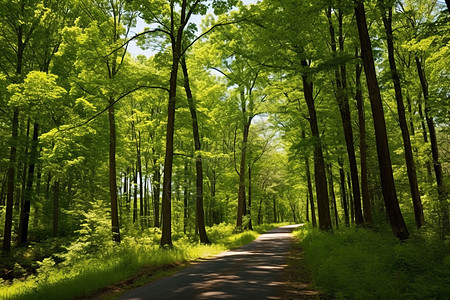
pixel 156 191
pixel 55 208
pixel 367 209
pixel 387 179
pixel 25 213
pixel 434 149
pixel 198 157
pixel 425 138
pixel 310 189
pixel 112 174
pixel 332 194
pixel 10 178
pixel 241 211
pixel 323 204
pixel 249 210
pixel 410 165
pixel 139 172
pixel 343 192
pixel 344 109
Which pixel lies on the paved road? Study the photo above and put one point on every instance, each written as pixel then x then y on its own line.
pixel 254 271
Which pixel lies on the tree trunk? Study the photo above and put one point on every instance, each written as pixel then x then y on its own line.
pixel 332 194
pixel 274 201
pixel 25 213
pixel 410 166
pixel 310 189
pixel 242 166
pixel 425 138
pixel 307 207
pixel 135 193
pixel 55 208
pixel 139 172
pixel 387 179
pixel 198 158
pixel 434 149
pixel 350 200
pixel 156 192
pixel 185 197
pixel 249 210
pixel 344 109
pixel 323 204
pixel 362 147
pixel 10 178
pixel 343 192
pixel 112 174
pixel 259 211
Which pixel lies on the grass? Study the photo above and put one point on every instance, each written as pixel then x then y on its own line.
pixel 84 270
pixel 356 263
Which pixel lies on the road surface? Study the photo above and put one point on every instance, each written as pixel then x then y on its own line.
pixel 254 271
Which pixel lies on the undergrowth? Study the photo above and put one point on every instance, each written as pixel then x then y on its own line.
pixel 354 263
pixel 89 264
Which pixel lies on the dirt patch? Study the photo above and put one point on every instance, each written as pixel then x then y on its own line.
pixel 298 283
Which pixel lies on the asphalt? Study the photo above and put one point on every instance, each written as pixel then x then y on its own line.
pixel 254 271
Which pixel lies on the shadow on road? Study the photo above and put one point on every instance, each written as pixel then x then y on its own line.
pixel 254 271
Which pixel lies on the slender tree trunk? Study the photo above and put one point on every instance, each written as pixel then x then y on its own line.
pixel 156 192
pixel 259 211
pixel 112 174
pixel 25 213
pixel 307 207
pixel 135 193
pixel 434 150
pixel 249 210
pixel 274 202
pixel 410 114
pixel 166 209
pixel 55 208
pixel 25 165
pixel 198 158
pixel 185 198
pixel 319 164
pixel 387 179
pixel 350 200
pixel 332 194
pixel 344 109
pixel 242 166
pixel 310 189
pixel 10 178
pixel 410 166
pixel 343 192
pixel 362 147
pixel 139 172
pixel 425 138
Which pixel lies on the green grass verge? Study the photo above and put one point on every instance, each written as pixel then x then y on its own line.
pixel 80 275
pixel 364 264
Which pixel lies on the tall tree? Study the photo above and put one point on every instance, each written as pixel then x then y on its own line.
pixel 344 108
pixel 200 214
pixel 386 13
pixel 387 179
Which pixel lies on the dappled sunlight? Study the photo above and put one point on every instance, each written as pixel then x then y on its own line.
pixel 249 272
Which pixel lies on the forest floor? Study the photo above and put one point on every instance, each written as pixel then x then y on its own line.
pixel 271 267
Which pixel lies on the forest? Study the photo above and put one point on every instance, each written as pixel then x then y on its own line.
pixel 147 133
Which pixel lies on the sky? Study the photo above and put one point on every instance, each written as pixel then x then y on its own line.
pixel 135 50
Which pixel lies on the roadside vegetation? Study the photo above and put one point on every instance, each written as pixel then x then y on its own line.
pixel 89 264
pixel 353 263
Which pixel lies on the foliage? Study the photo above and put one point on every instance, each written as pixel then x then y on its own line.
pixel 355 263
pixel 92 268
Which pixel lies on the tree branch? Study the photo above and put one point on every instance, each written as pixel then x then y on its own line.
pixel 111 104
